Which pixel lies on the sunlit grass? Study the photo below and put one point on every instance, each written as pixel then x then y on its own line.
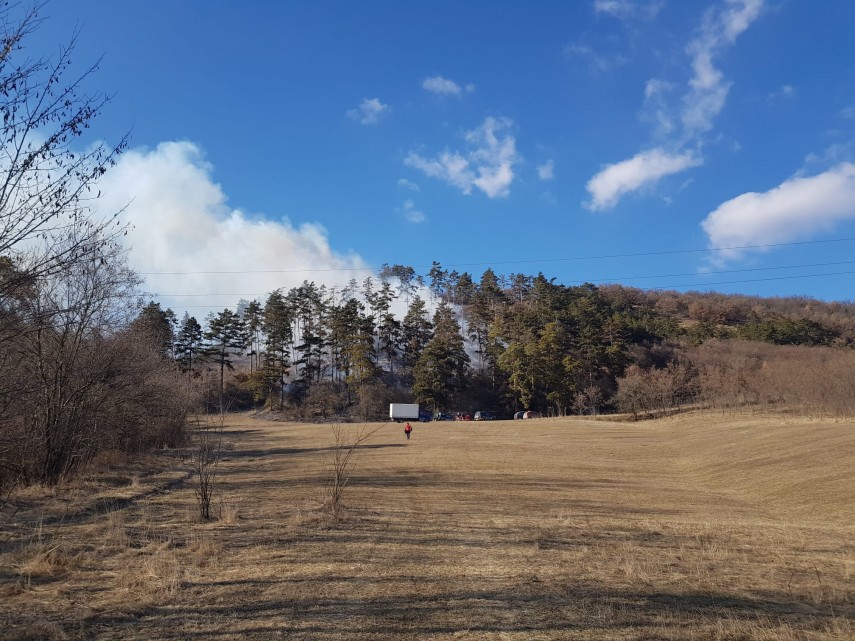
pixel 704 526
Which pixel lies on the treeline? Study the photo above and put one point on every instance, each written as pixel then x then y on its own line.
pixel 506 344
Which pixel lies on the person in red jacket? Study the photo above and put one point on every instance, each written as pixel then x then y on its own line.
pixel 407 430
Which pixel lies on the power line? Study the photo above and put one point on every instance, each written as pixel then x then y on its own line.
pixel 756 280
pixel 658 288
pixel 601 280
pixel 723 271
pixel 506 262
pixel 660 253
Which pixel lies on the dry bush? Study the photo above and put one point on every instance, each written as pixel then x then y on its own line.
pixel 324 401
pixel 108 393
pixel 589 400
pixel 733 374
pixel 820 380
pixel 207 447
pixel 342 459
pixel 372 402
pixel 658 391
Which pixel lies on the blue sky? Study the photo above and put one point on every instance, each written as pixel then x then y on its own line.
pixel 599 140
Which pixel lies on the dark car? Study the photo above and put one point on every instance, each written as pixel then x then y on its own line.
pixel 440 416
pixel 485 416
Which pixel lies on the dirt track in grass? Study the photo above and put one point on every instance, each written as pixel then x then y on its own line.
pixel 697 527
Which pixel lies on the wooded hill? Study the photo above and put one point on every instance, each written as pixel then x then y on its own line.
pixel 512 343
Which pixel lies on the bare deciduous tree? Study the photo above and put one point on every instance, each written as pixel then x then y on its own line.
pixel 205 455
pixel 344 450
pixel 74 380
pixel 48 178
pixel 77 381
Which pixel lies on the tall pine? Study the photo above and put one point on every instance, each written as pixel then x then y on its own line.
pixel 440 373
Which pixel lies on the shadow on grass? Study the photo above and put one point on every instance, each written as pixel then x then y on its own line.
pixel 432 608
pixel 238 454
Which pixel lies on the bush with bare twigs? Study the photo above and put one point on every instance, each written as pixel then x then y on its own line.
pixel 738 374
pixel 343 456
pixel 204 459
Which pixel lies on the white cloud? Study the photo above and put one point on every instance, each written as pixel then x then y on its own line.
pixel 656 108
pixel 408 184
pixel 624 10
pixel 369 112
pixel 847 112
pixel 612 182
pixel 182 223
pixel 629 9
pixel 487 164
pixel 598 62
pixel 795 209
pixel 549 198
pixel 412 214
pixel 450 167
pixel 445 87
pixel 836 154
pixel 618 8
pixel 708 88
pixel 546 171
pixel 703 101
pixel 655 87
pixel 786 91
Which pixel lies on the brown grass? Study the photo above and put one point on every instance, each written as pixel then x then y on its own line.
pixel 703 527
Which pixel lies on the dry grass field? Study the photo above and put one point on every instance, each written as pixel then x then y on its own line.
pixel 703 526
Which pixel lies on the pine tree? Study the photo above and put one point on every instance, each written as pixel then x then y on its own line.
pixel 438 279
pixel 156 327
pixel 407 279
pixel 481 315
pixel 309 333
pixel 388 328
pixel 226 335
pixel 188 343
pixel 416 331
pixel 276 322
pixel 440 373
pixel 389 331
pixel 464 289
pixel 253 316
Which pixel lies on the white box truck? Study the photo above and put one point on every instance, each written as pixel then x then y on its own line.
pixel 404 411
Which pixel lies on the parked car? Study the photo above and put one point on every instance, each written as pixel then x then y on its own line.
pixel 463 416
pixel 531 414
pixel 484 416
pixel 425 416
pixel 519 415
pixel 440 416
